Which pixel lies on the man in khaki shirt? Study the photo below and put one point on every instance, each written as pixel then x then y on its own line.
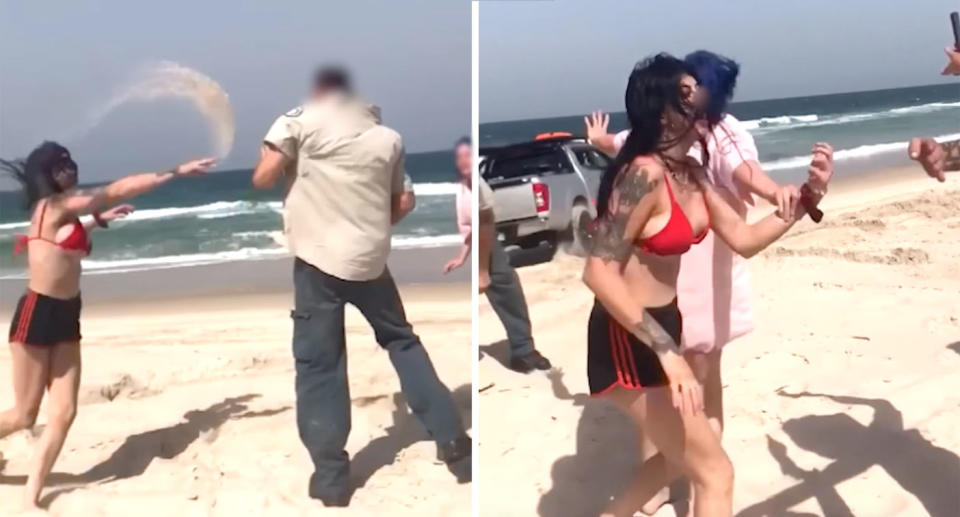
pixel 345 191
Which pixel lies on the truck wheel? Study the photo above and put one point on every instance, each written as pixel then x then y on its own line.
pixel 580 218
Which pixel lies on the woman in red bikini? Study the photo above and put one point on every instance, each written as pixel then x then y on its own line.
pixel 45 331
pixel 654 204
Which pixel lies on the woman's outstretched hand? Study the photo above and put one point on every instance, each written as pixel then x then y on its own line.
pixel 195 167
pixel 685 390
pixel 117 212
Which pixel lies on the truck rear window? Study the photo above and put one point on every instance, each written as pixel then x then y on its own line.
pixel 534 162
pixel 590 158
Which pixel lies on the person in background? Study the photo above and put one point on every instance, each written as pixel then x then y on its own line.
pixel 45 330
pixel 936 157
pixel 498 280
pixel 346 193
pixel 714 286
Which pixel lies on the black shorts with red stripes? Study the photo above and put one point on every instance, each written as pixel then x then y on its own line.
pixel 615 357
pixel 43 320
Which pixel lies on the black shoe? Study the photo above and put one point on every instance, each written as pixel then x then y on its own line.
pixel 330 498
pixel 457 456
pixel 336 501
pixel 530 362
pixel 455 450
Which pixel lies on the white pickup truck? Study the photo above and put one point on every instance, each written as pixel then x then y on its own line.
pixel 545 191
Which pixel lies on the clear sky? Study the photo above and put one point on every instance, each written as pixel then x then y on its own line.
pixel 544 58
pixel 61 59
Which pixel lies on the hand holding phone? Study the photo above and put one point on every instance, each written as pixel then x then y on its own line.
pixel 955 21
pixel 953 54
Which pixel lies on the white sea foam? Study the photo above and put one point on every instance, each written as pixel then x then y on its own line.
pixel 777 121
pixel 224 209
pixel 195 259
pixel 770 124
pixel 11 226
pixel 863 151
pixel 435 189
pixel 218 207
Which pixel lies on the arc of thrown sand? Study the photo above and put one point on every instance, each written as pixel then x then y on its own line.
pixel 166 79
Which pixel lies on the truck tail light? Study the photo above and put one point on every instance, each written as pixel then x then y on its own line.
pixel 541 197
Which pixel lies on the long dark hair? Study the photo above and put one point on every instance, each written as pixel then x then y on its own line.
pixel 35 174
pixel 654 86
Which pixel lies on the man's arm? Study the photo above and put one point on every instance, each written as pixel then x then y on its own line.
pixel 486 236
pixel 403 199
pixel 270 168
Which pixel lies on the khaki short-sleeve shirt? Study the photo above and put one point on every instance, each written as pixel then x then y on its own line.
pixel 348 166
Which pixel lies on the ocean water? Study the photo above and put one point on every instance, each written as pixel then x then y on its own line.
pixel 866 129
pixel 220 217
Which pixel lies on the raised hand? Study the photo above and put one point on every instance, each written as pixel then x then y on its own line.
pixel 953 62
pixel 195 167
pixel 596 124
pixel 821 166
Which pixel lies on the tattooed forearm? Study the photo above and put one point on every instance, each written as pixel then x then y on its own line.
pixel 658 339
pixel 952 152
pixel 608 239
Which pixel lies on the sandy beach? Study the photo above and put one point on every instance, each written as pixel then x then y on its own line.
pixel 186 405
pixel 843 401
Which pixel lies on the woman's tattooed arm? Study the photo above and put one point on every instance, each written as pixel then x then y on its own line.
pixel 610 241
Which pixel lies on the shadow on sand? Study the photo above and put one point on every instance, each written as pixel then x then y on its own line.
pixel 930 473
pixel 405 431
pixel 499 351
pixel 137 451
pixel 605 458
pixel 955 347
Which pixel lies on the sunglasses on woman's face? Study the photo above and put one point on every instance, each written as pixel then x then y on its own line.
pixel 64 165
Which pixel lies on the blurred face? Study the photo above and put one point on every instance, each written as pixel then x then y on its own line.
pixel 692 124
pixel 690 92
pixel 64 171
pixel 463 155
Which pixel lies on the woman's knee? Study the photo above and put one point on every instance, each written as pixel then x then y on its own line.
pixel 715 475
pixel 25 417
pixel 62 414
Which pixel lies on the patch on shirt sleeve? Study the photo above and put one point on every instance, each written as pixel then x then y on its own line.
pixel 295 112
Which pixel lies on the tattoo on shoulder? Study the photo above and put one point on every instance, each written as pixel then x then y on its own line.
pixel 952 151
pixel 607 238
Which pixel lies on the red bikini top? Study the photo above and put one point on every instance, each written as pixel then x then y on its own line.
pixel 77 240
pixel 677 236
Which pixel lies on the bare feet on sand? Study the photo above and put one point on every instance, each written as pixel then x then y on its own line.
pixel 30 510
